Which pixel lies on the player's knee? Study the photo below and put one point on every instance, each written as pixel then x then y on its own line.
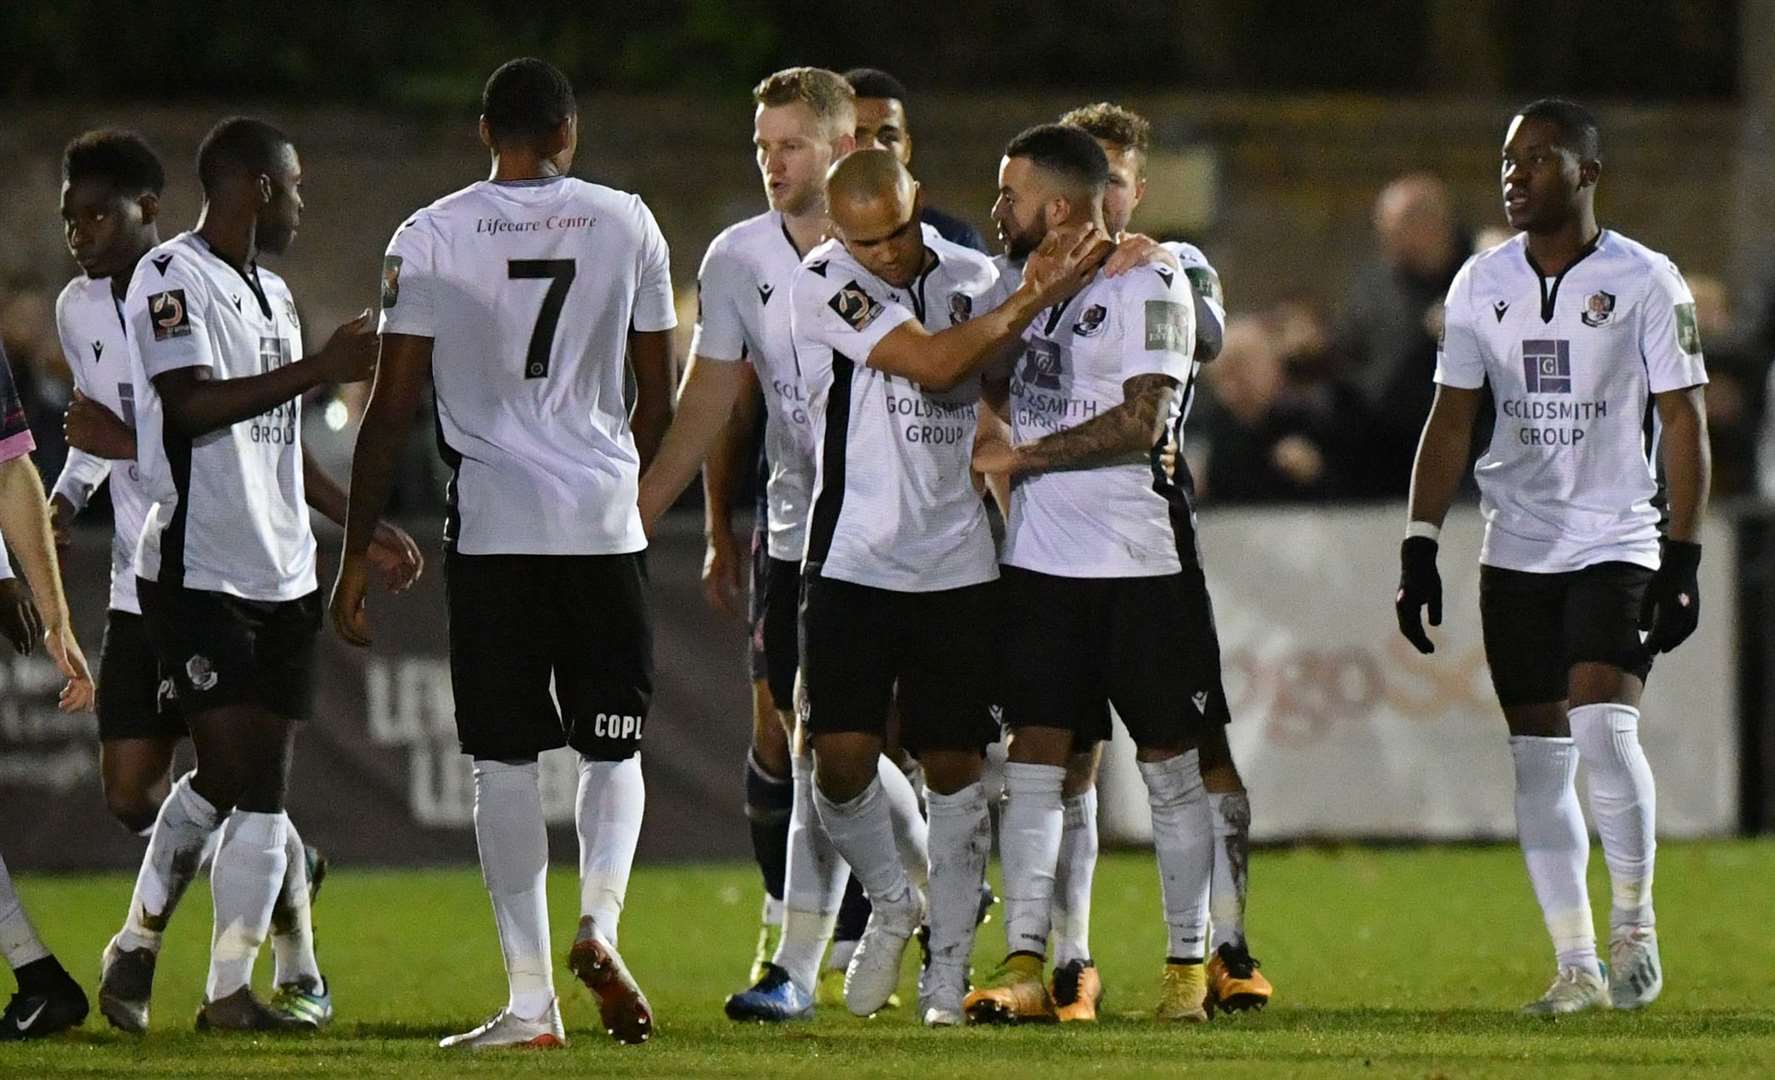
pixel 133 809
pixel 948 771
pixel 1081 775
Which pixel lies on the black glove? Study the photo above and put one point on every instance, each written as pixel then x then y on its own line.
pixel 1672 607
pixel 1419 584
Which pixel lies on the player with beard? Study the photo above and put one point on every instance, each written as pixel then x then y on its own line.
pixel 225 570
pixel 1588 342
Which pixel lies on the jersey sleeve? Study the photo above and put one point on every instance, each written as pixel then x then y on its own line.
pixel 167 324
pixel 1669 340
pixel 1460 363
pixel 70 343
pixel 654 309
pixel 721 286
pixel 842 314
pixel 409 282
pixel 15 430
pixel 1158 325
pixel 82 473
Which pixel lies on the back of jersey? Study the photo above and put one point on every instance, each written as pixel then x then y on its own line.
pixel 528 290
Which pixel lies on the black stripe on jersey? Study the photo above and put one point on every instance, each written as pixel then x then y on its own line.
pixel 1179 492
pixel 838 424
pixel 452 511
pixel 1551 294
pixel 177 447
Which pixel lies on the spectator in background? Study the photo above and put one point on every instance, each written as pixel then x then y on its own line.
pixel 27 319
pixel 1734 390
pixel 1387 334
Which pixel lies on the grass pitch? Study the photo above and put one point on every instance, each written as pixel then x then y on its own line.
pixel 1405 962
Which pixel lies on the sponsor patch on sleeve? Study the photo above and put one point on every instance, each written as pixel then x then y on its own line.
pixel 167 312
pixel 1167 326
pixel 391 280
pixel 1688 334
pixel 857 308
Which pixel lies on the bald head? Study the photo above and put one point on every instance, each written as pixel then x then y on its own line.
pixel 1415 224
pixel 875 212
pixel 868 176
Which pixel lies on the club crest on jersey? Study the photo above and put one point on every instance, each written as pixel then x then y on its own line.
pixel 857 308
pixel 1547 366
pixel 1599 308
pixel 290 310
pixel 1091 323
pixel 961 308
pixel 391 281
pixel 201 672
pixel 166 310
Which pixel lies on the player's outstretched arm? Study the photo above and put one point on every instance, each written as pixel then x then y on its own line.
pixel 1127 432
pixel 197 404
pixel 1672 608
pixel 705 405
pixel 1435 476
pixel 401 375
pixel 24 521
pixel 1062 266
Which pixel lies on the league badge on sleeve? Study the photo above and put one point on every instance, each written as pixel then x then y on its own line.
pixel 1599 308
pixel 1167 326
pixel 391 281
pixel 857 308
pixel 166 310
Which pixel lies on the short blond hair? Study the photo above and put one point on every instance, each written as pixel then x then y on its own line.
pixel 825 93
pixel 1121 127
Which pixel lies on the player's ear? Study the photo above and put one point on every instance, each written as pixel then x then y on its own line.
pixel 486 134
pixel 262 183
pixel 150 204
pixel 1588 173
pixel 844 144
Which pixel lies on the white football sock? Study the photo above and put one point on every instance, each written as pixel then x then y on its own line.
pixel 1230 814
pixel 292 931
pixel 813 886
pixel 181 831
pixel 1184 842
pixel 1029 832
pixel 1624 804
pixel 18 938
pixel 961 840
pixel 911 831
pixel 245 880
pixel 1073 875
pixel 513 842
pixel 862 830
pixel 207 859
pixel 612 801
pixel 1555 844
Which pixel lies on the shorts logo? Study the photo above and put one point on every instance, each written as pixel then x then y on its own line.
pixel 1167 326
pixel 166 693
pixel 857 308
pixel 961 308
pixel 1091 323
pixel 201 672
pixel 997 712
pixel 1547 366
pixel 167 311
pixel 391 281
pixel 1041 364
pixel 1599 308
pixel 616 726
pixel 1200 700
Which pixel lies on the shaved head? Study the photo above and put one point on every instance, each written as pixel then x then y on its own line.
pixel 868 175
pixel 875 208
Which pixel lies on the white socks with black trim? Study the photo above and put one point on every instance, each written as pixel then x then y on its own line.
pixel 1623 804
pixel 1555 844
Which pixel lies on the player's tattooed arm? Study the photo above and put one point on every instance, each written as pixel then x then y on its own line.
pixel 1126 433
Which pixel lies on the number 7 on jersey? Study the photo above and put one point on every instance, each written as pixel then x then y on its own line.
pixel 559 272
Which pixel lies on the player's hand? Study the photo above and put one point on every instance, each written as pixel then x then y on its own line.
pixel 61 521
pixel 1065 261
pixel 721 572
pixel 350 621
pixel 350 354
pixel 91 427
pixel 648 503
pixel 1419 585
pixel 396 557
pixel 78 694
pixel 1134 250
pixel 1672 607
pixel 19 620
pixel 994 457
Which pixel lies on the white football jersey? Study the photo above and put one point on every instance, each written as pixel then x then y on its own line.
pixel 1123 520
pixel 528 290
pixel 743 314
pixel 894 501
pixel 227 510
pixel 89 319
pixel 1573 361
